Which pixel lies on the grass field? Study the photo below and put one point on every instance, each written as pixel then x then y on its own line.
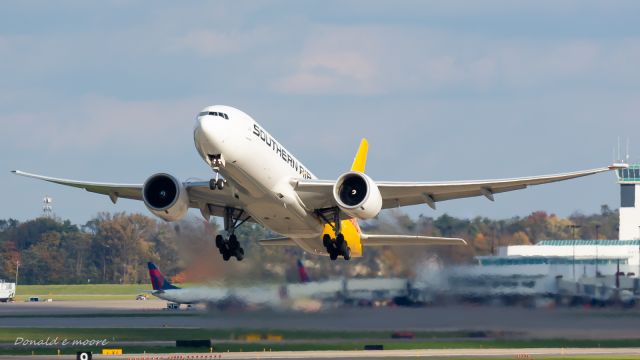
pixel 82 292
pixel 229 340
pixel 260 348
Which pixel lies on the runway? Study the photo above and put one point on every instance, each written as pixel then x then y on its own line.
pixel 374 354
pixel 569 323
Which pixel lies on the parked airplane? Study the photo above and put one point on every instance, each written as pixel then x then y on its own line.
pixel 164 289
pixel 304 295
pixel 257 179
pixel 273 296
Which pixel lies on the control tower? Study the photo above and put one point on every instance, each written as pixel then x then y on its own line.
pixel 629 180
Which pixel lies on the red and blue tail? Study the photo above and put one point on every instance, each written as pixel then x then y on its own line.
pixel 302 272
pixel 158 281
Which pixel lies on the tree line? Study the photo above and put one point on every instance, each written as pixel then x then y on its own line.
pixel 114 248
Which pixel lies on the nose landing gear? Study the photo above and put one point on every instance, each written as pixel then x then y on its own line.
pixel 338 246
pixel 216 183
pixel 230 246
pixel 217 162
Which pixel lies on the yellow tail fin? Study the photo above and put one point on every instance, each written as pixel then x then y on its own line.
pixel 360 160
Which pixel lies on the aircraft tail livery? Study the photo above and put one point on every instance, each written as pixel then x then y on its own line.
pixel 158 281
pixel 302 272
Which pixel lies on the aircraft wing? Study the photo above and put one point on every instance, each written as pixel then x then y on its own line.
pixel 115 191
pixel 318 194
pixel 407 240
pixel 201 197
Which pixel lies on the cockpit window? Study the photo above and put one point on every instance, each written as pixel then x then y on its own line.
pixel 214 113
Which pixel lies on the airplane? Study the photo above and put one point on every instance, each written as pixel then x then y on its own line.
pixel 305 295
pixel 165 290
pixel 257 179
pixel 271 296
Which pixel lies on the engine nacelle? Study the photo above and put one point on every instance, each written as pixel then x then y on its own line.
pixel 165 197
pixel 357 195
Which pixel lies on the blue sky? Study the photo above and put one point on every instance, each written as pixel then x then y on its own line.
pixel 108 91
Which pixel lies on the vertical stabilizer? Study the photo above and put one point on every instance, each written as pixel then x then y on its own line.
pixel 360 161
pixel 302 272
pixel 158 281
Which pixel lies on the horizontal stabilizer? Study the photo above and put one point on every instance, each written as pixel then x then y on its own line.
pixel 408 240
pixel 279 241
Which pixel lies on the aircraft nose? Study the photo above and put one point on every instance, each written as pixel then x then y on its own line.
pixel 209 133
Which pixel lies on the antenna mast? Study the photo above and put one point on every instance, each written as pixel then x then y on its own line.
pixel 627 156
pixel 619 158
pixel 47 207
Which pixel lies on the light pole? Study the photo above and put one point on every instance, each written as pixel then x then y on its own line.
pixel 17 272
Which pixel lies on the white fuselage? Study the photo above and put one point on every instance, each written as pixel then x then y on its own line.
pixel 277 296
pixel 257 296
pixel 259 171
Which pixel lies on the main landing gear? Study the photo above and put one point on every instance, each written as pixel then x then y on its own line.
pixel 230 246
pixel 338 246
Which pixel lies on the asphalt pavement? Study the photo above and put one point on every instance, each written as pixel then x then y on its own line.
pixel 580 323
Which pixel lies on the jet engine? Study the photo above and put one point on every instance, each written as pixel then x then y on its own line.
pixel 357 195
pixel 165 197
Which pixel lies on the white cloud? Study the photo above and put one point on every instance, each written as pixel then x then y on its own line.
pixel 390 59
pixel 334 60
pixel 338 72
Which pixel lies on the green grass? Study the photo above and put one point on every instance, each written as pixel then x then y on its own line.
pixel 331 339
pixel 82 292
pixel 304 341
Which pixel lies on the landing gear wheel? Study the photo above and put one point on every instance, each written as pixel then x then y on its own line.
pixel 326 241
pixel 216 184
pixel 230 247
pixel 338 247
pixel 347 254
pixel 340 243
pixel 239 254
pixel 233 241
